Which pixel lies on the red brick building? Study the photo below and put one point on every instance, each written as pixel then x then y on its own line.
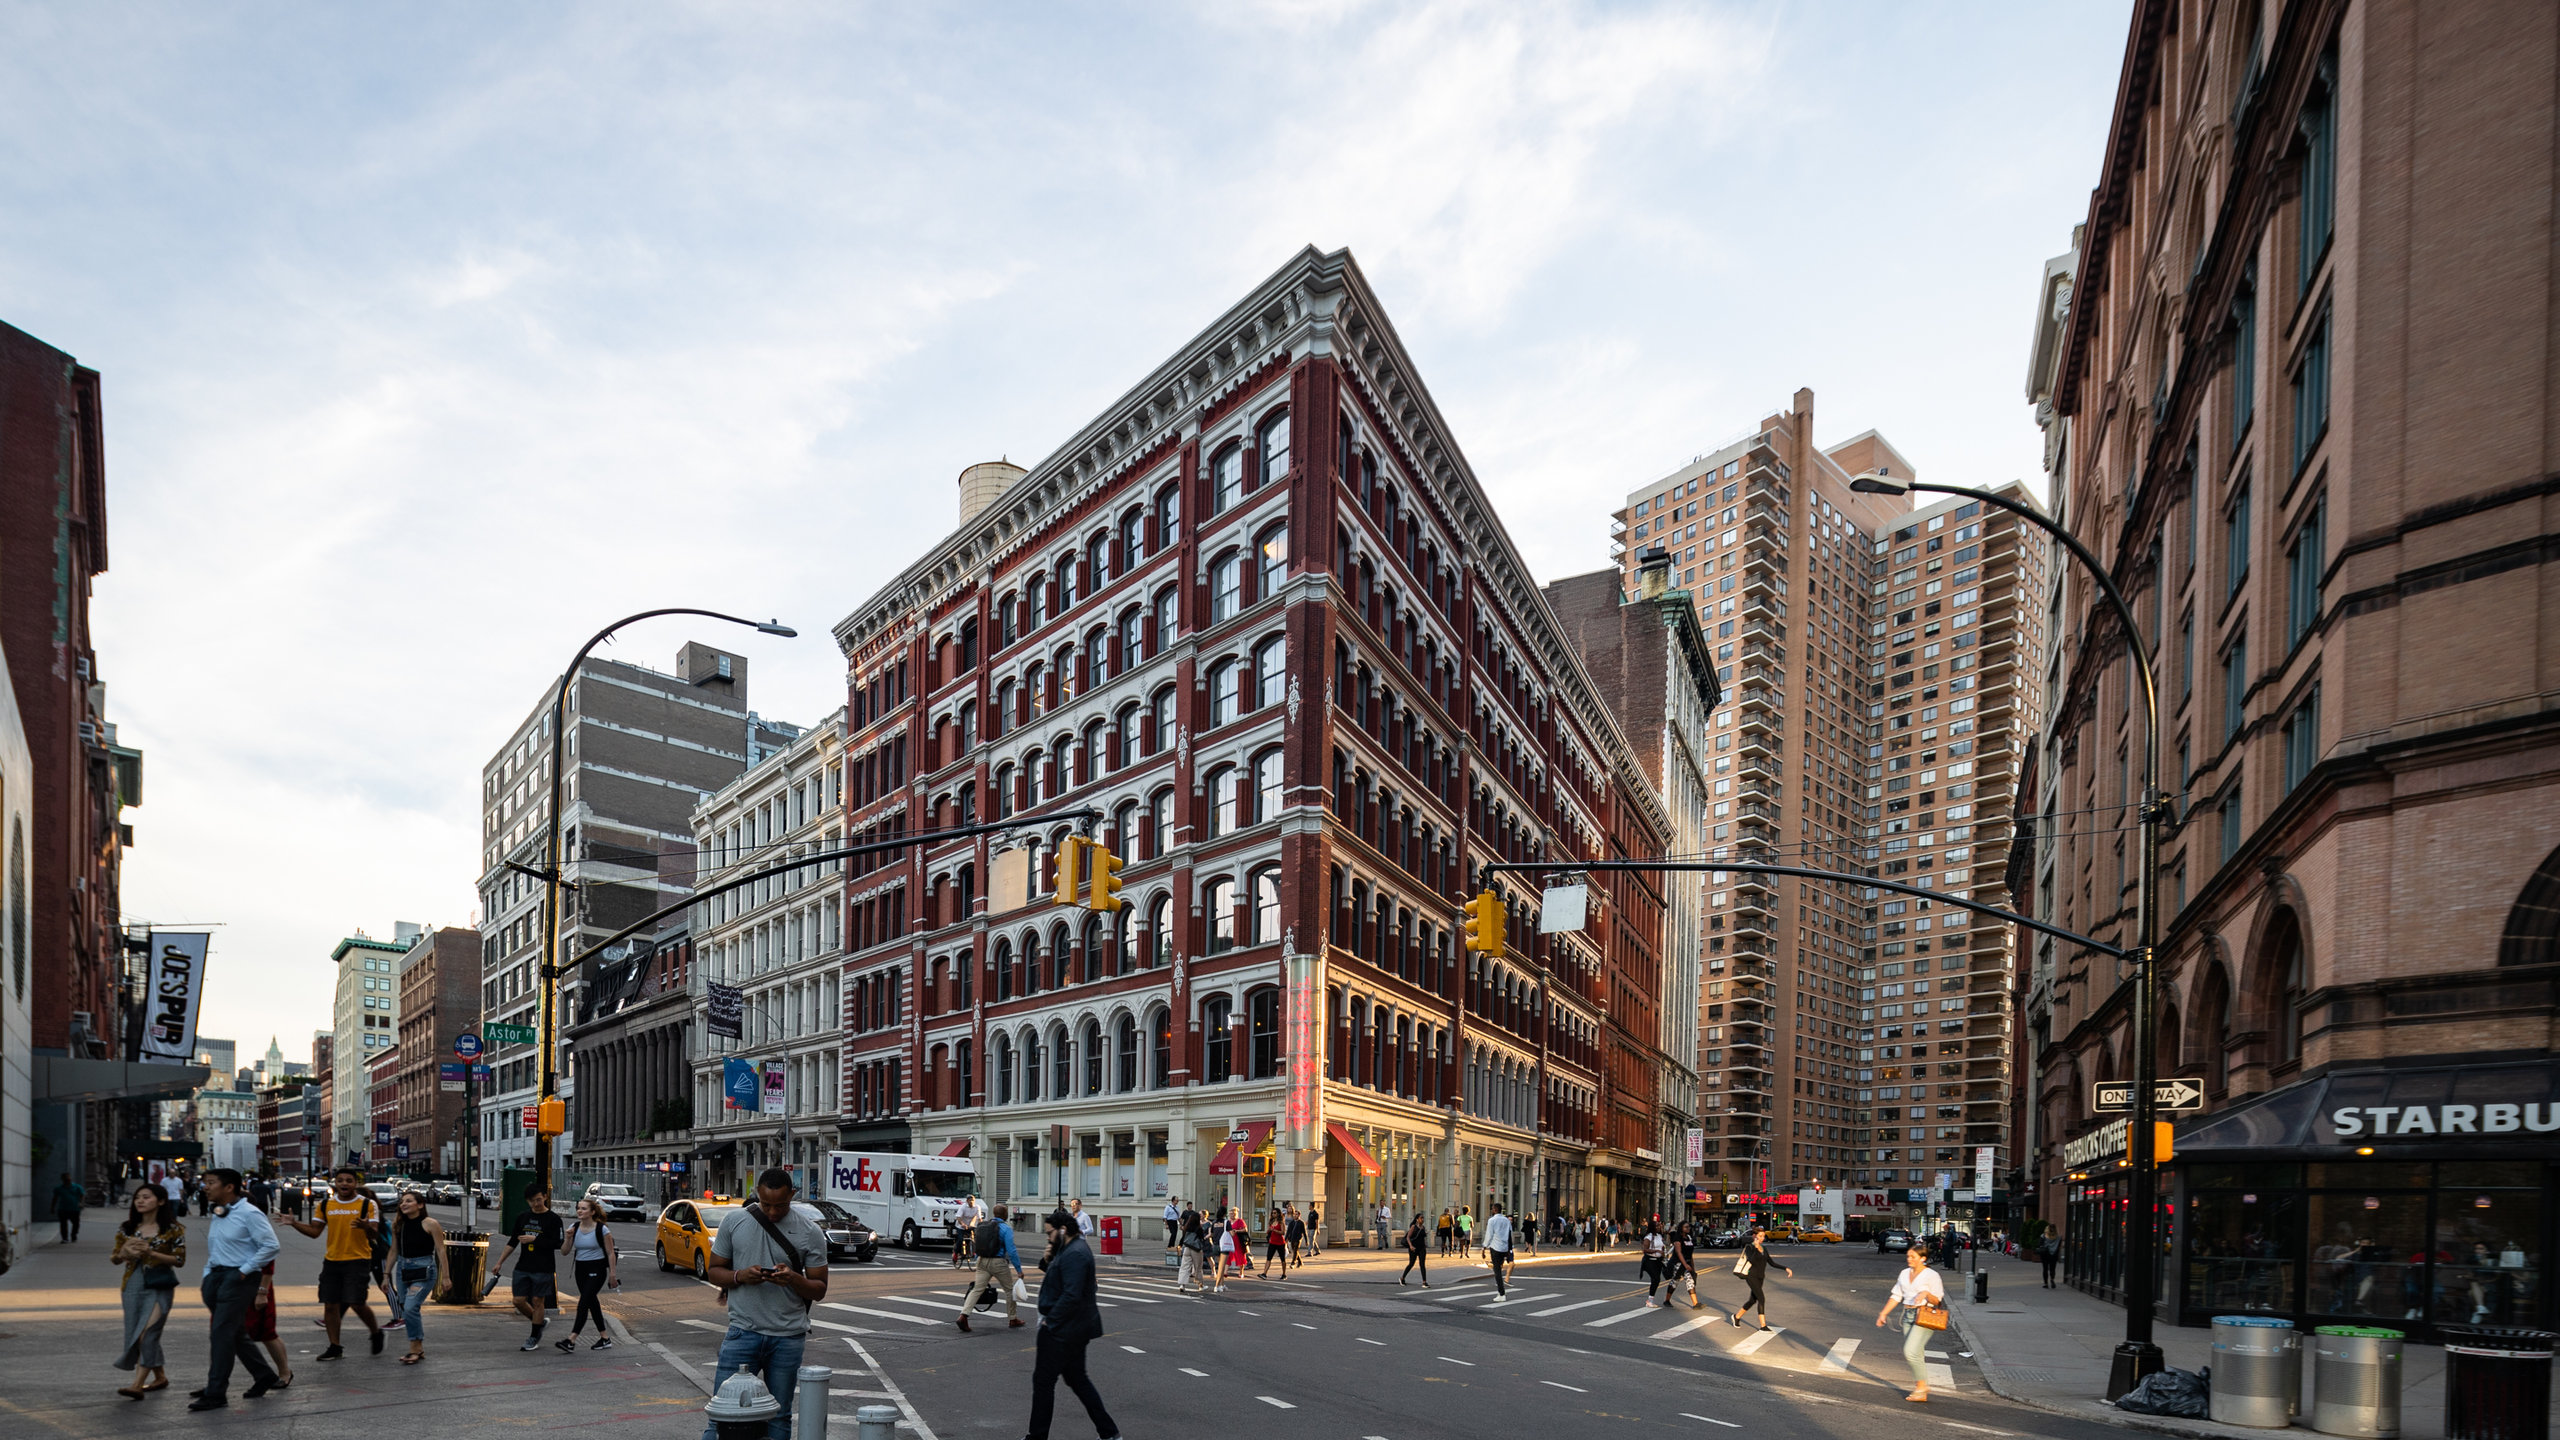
pixel 1260 616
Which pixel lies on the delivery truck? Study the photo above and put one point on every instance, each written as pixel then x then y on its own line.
pixel 913 1198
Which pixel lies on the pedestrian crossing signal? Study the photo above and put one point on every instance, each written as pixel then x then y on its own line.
pixel 1486 919
pixel 551 1118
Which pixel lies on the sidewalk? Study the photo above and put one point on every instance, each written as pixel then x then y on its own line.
pixel 2052 1349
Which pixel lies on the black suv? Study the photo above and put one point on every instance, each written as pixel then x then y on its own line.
pixel 847 1237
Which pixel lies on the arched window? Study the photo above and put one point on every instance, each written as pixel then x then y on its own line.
pixel 1262 1033
pixel 1097 954
pixel 1266 905
pixel 1125 1051
pixel 1062 1063
pixel 1001 1082
pixel 1168 515
pixel 1222 801
pixel 1035 602
pixel 1032 1069
pixel 1160 931
pixel 1159 823
pixel 1160 1066
pixel 1068 591
pixel 1133 633
pixel 1226 679
pixel 1168 609
pixel 1039 776
pixel 2297 983
pixel 1216 1013
pixel 1218 906
pixel 1270 672
pixel 963 1069
pixel 1092 1043
pixel 1272 442
pixel 2216 1015
pixel 1133 537
pixel 1160 719
pixel 1270 559
pixel 1266 785
pixel 1008 620
pixel 1035 687
pixel 1226 587
pixel 1226 479
pixel 1001 717
pixel 1056 957
pixel 2532 934
pixel 1000 799
pixel 1097 560
pixel 1097 655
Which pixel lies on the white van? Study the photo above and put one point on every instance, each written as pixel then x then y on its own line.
pixel 911 1197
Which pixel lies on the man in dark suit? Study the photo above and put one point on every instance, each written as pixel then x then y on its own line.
pixel 1069 1321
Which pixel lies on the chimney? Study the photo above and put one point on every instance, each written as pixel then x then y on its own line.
pixel 1653 573
pixel 981 484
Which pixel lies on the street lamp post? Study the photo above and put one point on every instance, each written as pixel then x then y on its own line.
pixel 2137 1356
pixel 549 1036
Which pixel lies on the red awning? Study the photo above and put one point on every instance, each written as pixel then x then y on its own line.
pixel 1257 1133
pixel 952 1148
pixel 1359 1153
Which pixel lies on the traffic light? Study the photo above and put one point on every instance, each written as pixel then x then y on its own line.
pixel 1068 882
pixel 1104 893
pixel 1486 919
pixel 552 1117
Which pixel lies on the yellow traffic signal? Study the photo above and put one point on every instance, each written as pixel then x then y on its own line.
pixel 552 1117
pixel 1486 919
pixel 1104 893
pixel 1068 881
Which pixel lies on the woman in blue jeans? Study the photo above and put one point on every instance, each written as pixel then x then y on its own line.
pixel 417 1268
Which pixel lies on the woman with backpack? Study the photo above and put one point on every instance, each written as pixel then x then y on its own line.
pixel 1416 1248
pixel 597 1262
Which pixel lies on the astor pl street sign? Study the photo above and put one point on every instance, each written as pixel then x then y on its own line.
pixel 2114 1097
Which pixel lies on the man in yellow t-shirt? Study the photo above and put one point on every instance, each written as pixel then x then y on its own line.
pixel 350 1220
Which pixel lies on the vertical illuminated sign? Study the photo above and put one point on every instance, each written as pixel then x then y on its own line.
pixel 1302 1112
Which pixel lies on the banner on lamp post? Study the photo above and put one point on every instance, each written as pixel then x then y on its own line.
pixel 777 1081
pixel 724 1010
pixel 1302 1106
pixel 741 1087
pixel 175 997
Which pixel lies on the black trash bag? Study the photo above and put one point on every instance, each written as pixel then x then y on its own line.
pixel 2182 1393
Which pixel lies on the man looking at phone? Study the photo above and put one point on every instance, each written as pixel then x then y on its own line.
pixel 772 1262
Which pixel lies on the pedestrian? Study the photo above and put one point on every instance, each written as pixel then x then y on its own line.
pixel 1195 1254
pixel 1084 1222
pixel 1315 1229
pixel 238 1244
pixel 68 1197
pixel 1655 1267
pixel 1753 1266
pixel 773 1261
pixel 1275 1245
pixel 2049 1254
pixel 1497 1247
pixel 417 1269
pixel 1070 1320
pixel 1172 1224
pixel 595 1262
pixel 1684 1254
pixel 351 1222
pixel 1239 1246
pixel 1466 1230
pixel 1296 1233
pixel 151 1245
pixel 1923 1298
pixel 1385 1222
pixel 260 1327
pixel 991 1243
pixel 1417 1243
pixel 535 1246
pixel 1446 1231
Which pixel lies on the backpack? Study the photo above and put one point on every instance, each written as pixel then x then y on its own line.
pixel 985 1243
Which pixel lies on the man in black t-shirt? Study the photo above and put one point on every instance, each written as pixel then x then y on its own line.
pixel 535 1242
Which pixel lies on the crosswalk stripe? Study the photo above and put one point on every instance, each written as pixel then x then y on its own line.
pixel 1837 1362
pixel 707 1325
pixel 848 1329
pixel 1470 1294
pixel 1941 1374
pixel 1278 1404
pixel 1140 1299
pixel 1560 1309
pixel 866 1310
pixel 1621 1318
pixel 1758 1339
pixel 1685 1326
pixel 1520 1300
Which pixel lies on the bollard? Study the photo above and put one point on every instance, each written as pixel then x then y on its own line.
pixel 1981 1287
pixel 742 1407
pixel 809 1402
pixel 877 1422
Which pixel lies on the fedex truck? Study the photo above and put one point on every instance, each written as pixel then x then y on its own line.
pixel 914 1198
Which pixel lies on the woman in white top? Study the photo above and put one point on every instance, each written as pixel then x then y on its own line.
pixel 1911 1288
pixel 597 1263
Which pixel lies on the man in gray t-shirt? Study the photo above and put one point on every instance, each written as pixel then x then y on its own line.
pixel 771 1284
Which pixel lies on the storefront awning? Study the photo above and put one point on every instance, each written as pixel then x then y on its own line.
pixel 63 1078
pixel 1359 1153
pixel 952 1149
pixel 2477 1109
pixel 1257 1133
pixel 715 1150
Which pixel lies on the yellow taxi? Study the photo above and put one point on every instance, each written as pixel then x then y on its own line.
pixel 1817 1236
pixel 686 1229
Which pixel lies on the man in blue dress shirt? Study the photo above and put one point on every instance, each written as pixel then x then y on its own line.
pixel 238 1246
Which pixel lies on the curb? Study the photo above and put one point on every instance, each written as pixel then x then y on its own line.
pixel 2100 1411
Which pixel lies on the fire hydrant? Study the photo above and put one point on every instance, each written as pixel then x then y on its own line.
pixel 742 1407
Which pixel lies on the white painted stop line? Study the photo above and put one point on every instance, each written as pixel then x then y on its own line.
pixel 1710 1419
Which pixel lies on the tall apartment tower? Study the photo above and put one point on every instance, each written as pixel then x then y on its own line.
pixel 364 1021
pixel 642 748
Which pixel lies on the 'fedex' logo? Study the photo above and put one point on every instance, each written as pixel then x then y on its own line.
pixel 860 1176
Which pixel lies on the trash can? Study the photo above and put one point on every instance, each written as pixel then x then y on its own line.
pixel 2257 1371
pixel 2355 1380
pixel 466 1263
pixel 2497 1383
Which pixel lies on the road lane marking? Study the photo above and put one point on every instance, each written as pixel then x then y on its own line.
pixel 1301 1324
pixel 1275 1403
pixel 1976 1429
pixel 1132 1349
pixel 1256 1314
pixel 848 1329
pixel 1576 1389
pixel 1758 1339
pixel 1685 1326
pixel 864 1310
pixel 1560 1309
pixel 914 1420
pixel 1187 1370
pixel 707 1325
pixel 1710 1419
pixel 1837 1362
pixel 1620 1318
pixel 1521 1300
pixel 1365 1340
pixel 1452 1359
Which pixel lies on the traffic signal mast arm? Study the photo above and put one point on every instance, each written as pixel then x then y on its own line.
pixel 1753 867
pixel 876 847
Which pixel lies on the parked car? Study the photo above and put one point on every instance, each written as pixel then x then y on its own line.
pixel 1727 1238
pixel 445 1192
pixel 386 1194
pixel 847 1237
pixel 620 1202
pixel 1892 1242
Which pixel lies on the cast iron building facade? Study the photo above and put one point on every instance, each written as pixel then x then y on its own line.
pixel 1259 615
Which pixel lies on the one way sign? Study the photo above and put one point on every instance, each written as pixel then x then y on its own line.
pixel 2114 1097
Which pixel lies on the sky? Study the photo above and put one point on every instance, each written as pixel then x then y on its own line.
pixel 435 337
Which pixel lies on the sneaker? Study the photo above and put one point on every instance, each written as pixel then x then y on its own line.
pixel 566 1347
pixel 334 1352
pixel 532 1342
pixel 378 1336
pixel 603 1342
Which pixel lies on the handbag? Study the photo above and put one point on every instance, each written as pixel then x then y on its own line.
pixel 1929 1314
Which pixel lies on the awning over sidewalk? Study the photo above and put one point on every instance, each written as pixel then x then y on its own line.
pixel 1257 1133
pixel 952 1149
pixel 62 1078
pixel 1358 1152
pixel 715 1150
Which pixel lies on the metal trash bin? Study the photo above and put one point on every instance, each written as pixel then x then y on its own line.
pixel 2355 1380
pixel 2257 1371
pixel 466 1263
pixel 2497 1383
